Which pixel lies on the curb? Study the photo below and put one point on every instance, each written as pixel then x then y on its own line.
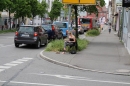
pixel 79 68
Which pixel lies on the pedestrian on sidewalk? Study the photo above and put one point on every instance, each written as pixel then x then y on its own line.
pixel 71 39
pixel 102 21
pixel 109 28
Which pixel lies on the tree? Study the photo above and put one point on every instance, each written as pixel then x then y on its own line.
pixel 9 7
pixel 42 9
pixel 34 4
pixel 65 9
pixel 55 10
pixel 22 9
pixel 92 8
pixel 2 4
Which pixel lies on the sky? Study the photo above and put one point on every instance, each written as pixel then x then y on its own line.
pixel 106 2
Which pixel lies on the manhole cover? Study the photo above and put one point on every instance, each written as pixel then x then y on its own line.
pixel 123 71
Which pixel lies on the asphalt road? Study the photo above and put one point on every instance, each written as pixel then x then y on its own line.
pixel 23 67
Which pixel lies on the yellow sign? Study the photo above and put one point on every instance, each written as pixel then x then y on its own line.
pixel 89 2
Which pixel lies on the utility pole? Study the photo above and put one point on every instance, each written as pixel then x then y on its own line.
pixel 76 20
pixel 69 16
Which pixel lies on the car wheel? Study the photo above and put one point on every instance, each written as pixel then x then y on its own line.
pixel 16 45
pixel 38 44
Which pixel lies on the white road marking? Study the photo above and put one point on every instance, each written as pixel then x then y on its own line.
pixel 5 67
pixel 9 64
pixel 27 58
pixel 14 63
pixel 2 81
pixel 2 70
pixel 5 45
pixel 28 83
pixel 83 78
pixel 21 60
pixel 63 76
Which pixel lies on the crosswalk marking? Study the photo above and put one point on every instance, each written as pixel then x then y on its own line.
pixel 5 67
pixel 2 70
pixel 27 58
pixel 9 64
pixel 14 63
pixel 22 60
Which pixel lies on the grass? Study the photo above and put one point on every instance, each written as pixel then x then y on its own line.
pixel 93 32
pixel 7 31
pixel 58 45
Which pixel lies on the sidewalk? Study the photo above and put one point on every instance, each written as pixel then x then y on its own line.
pixel 105 54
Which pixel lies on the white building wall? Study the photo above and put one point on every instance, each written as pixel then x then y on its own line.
pixel 126 30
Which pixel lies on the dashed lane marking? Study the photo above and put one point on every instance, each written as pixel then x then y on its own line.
pixel 4 67
pixel 14 63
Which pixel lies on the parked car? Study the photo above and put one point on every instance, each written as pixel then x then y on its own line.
pixel 30 34
pixel 53 31
pixel 64 26
pixel 80 29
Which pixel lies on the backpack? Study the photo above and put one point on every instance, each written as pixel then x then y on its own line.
pixel 73 52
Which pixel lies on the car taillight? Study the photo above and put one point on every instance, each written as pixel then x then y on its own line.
pixel 35 34
pixel 16 33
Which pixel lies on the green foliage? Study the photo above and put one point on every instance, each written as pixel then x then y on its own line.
pixel 55 9
pixel 2 4
pixel 34 7
pixel 7 31
pixel 92 8
pixel 58 45
pixel 42 8
pixel 82 44
pixel 93 32
pixel 22 9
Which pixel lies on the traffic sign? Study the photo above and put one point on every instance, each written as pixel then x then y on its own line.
pixel 86 2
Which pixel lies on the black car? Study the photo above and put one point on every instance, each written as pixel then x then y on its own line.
pixel 30 34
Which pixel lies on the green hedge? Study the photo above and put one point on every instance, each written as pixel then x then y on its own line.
pixel 58 45
pixel 93 32
pixel 7 30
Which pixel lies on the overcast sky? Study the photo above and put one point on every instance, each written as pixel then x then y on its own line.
pixel 106 2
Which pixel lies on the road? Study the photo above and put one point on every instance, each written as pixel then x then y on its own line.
pixel 23 67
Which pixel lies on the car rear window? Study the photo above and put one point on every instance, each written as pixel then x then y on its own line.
pixel 47 27
pixel 26 29
pixel 61 25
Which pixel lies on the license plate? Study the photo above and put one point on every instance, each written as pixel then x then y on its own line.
pixel 25 35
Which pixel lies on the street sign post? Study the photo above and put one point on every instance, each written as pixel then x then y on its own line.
pixel 85 2
pixel 77 2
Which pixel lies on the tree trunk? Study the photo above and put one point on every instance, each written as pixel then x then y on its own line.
pixel 41 20
pixel 23 19
pixel 9 20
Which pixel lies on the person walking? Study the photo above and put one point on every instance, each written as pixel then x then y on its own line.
pixel 109 28
pixel 102 21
